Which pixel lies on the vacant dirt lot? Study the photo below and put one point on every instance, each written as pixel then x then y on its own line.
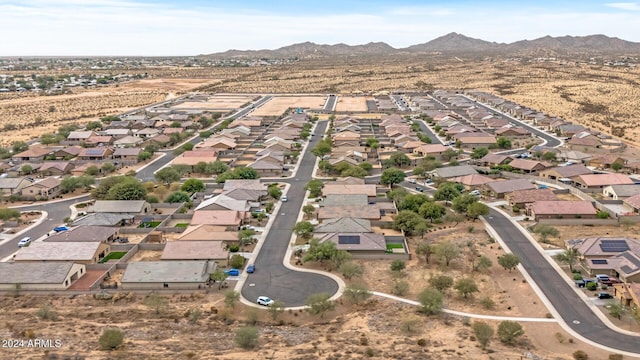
pixel 279 104
pixel 352 103
pixel 216 103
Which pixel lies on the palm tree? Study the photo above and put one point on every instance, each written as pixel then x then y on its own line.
pixel 570 256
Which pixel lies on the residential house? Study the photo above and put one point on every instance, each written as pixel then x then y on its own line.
pixel 409 146
pixel 195 250
pixel 521 198
pixel 578 157
pixel 529 166
pixel 267 166
pixel 566 174
pixel 78 137
pixel 561 210
pixel 619 192
pixel 477 140
pixel 95 154
pixel 492 159
pixel 240 131
pixel 605 161
pixel 596 182
pixel 435 150
pixel 104 219
pixel 193 157
pixel 584 141
pixel 40 276
pixel 81 169
pixel 172 130
pixel 67 153
pixel 472 181
pixel 55 168
pixel 347 189
pixel 499 189
pixel 47 188
pixel 84 233
pixel 33 154
pixel 614 256
pixel 205 232
pixel 370 212
pixel 628 294
pixel 513 132
pixel 356 243
pixel 117 133
pixel 12 186
pixel 633 202
pixel 224 202
pixel 127 156
pixel 128 141
pixel 230 218
pixel 218 142
pixel 147 133
pixel 253 190
pixel 78 252
pixel 132 207
pixel 167 274
pixel 97 140
pixel 348 138
pixel 453 171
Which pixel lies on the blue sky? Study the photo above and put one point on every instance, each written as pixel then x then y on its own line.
pixel 192 27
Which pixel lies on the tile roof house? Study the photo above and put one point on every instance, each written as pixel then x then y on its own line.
pixel 492 159
pixel 95 154
pixel 434 150
pixel 561 210
pixel 565 172
pixel 472 181
pixel 371 212
pixel 79 252
pixel 55 168
pixel 230 218
pixel 128 141
pixel 46 188
pixel 204 232
pixel 513 132
pixel 76 137
pixel 348 138
pixel 619 192
pixel 35 154
pixel 67 153
pixel 195 250
pixel 500 188
pixel 336 225
pixel 596 182
pixel 529 166
pixel 224 202
pixel 128 156
pixel 85 233
pixel 11 186
pixel 104 219
pixel 523 197
pixel 346 189
pixel 40 276
pixel 133 207
pixel 167 274
pixel 97 140
pixel 454 171
pixel 356 243
pixel 615 256
pixel 633 202
pixel 605 161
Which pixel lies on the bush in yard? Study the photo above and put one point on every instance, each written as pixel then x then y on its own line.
pixel 592 286
pixel 397 265
pixel 350 270
pixel 236 261
pixel 577 276
pixel 111 339
pixel 483 332
pixel 234 248
pixel 247 337
pixel 509 331
pixel 580 355
pixel 441 282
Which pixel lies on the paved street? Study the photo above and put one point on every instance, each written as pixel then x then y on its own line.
pixel 572 309
pixel 272 278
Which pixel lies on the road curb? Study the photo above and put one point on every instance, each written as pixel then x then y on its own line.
pixel 44 215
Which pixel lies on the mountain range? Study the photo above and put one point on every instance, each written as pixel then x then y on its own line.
pixel 450 43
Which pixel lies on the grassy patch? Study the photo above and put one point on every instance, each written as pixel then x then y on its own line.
pixel 113 255
pixel 150 224
pixel 182 225
pixel 394 246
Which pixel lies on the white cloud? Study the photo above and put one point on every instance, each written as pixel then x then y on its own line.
pixel 422 11
pixel 625 6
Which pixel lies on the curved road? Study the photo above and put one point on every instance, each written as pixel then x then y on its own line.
pixel 568 304
pixel 271 277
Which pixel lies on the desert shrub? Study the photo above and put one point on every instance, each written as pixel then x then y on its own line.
pixel 615 356
pixel 111 339
pixel 234 248
pixel 487 303
pixel 46 312
pixel 577 276
pixel 580 355
pixel 398 265
pixel 509 331
pixel 592 286
pixel 400 288
pixel 411 324
pixel 369 352
pixel 247 337
pixel 560 337
pixel 483 332
pixel 236 261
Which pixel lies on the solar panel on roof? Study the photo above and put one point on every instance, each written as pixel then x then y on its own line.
pixel 94 152
pixel 626 269
pixel 348 239
pixel 599 262
pixel 614 245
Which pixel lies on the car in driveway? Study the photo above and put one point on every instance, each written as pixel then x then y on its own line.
pixel 232 272
pixel 418 188
pixel 251 268
pixel 264 301
pixel 604 295
pixel 25 241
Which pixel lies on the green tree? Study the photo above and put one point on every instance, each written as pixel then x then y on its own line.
pixel 315 188
pixel 615 309
pixel 108 167
pixel 484 263
pixel 178 197
pixel 483 332
pixel 322 148
pixel 392 176
pixel 509 331
pixel 442 283
pixel 192 186
pixel 308 210
pixel 274 191
pixel 454 218
pixel 156 302
pixel 92 170
pixel 357 293
pixel 503 142
pixel 320 304
pixel 477 209
pixel 466 287
pixel 373 143
pixel 276 309
pixel 365 166
pixel 237 261
pixel 509 261
pixel 400 288
pixel 231 297
pixel 218 276
pixel 92 125
pixel 431 301
pixel 304 229
pixel 151 148
pixel 461 202
pixel 549 156
pixel 426 250
pixel 447 192
pixel 406 220
pixel 247 337
pixel 449 154
pixel 447 251
pixel 399 159
pixel 219 167
pixel 545 231
pixel 570 257
pixel 111 339
pixel 144 156
pixel 350 269
pixel 19 146
pixel 616 166
pixel 479 152
pixel 130 189
pixel 167 175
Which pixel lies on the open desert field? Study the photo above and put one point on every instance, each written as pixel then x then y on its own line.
pixel 166 84
pixel 279 104
pixel 352 103
pixel 216 102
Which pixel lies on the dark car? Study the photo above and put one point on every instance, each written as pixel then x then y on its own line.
pixel 604 295
pixel 418 188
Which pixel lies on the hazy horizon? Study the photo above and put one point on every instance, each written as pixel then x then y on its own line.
pixel 157 28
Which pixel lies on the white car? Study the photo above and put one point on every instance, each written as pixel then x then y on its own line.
pixel 264 301
pixel 24 242
pixel 284 199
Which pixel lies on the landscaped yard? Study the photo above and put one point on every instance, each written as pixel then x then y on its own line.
pixel 113 255
pixel 390 247
pixel 150 224
pixel 182 225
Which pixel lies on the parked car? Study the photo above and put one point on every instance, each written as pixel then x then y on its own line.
pixel 208 196
pixel 602 277
pixel 604 295
pixel 60 228
pixel 475 193
pixel 264 301
pixel 232 272
pixel 412 181
pixel 24 242
pixel 418 188
pixel 284 199
pixel 251 268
